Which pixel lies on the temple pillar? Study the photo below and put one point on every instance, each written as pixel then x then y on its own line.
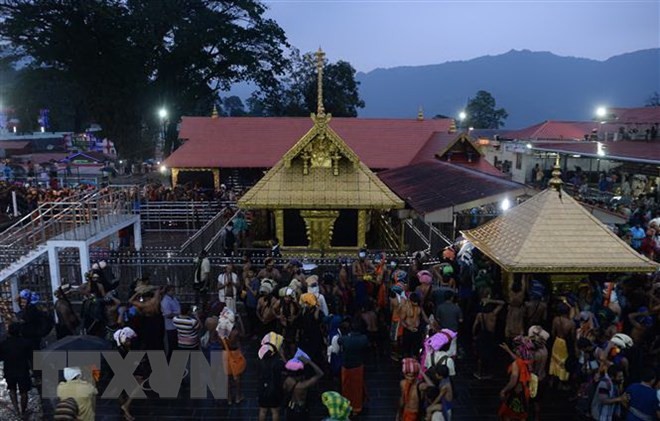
pixel 363 219
pixel 507 280
pixel 216 178
pixel 279 225
pixel 320 226
pixel 175 176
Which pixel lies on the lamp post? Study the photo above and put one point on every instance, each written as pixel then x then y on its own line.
pixel 162 115
pixel 601 116
pixel 461 117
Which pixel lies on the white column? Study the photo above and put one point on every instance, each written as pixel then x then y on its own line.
pixel 84 260
pixel 14 293
pixel 137 235
pixel 54 265
pixel 14 203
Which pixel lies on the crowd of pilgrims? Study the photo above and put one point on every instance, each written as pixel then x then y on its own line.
pixel 597 342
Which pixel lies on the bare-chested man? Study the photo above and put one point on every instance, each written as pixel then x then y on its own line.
pixel 368 315
pixel 563 332
pixel 411 317
pixel 641 321
pixel 67 319
pixel 483 332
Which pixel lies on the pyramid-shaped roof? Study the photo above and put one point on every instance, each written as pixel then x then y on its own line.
pixel 320 172
pixel 553 233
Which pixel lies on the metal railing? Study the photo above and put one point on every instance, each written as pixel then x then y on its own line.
pixel 64 219
pixel 413 237
pixel 208 234
pixel 178 215
pixel 436 237
pixel 214 245
pixel 389 237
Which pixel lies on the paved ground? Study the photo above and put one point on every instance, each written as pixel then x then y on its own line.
pixel 477 400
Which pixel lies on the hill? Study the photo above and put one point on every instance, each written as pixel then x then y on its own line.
pixel 531 86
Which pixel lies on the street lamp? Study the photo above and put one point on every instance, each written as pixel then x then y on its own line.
pixel 506 204
pixel 461 117
pixel 162 115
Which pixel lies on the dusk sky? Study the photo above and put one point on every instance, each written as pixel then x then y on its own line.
pixel 372 34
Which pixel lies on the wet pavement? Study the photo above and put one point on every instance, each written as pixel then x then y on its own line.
pixel 7 410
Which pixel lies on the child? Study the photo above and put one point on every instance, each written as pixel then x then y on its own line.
pixel 483 332
pixel 442 402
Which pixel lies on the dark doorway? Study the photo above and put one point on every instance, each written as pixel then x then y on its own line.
pixel 295 231
pixel 345 231
pixel 203 179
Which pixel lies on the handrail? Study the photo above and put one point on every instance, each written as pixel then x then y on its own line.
pixel 64 216
pixel 419 234
pixel 219 233
pixel 439 233
pixel 390 236
pixel 201 231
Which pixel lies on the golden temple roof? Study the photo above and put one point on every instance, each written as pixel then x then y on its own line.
pixel 552 233
pixel 320 172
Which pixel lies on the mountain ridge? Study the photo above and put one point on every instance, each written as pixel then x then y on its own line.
pixel 532 86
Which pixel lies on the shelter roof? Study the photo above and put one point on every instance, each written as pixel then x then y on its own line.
pixel 553 233
pixel 40 157
pixel 641 115
pixel 93 155
pixel 559 130
pixel 259 142
pixel 433 184
pixel 320 172
pixel 625 150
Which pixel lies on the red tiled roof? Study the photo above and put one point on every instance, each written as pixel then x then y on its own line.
pixel 259 142
pixel 642 115
pixel 433 185
pixel 482 166
pixel 633 151
pixel 559 130
pixel 437 143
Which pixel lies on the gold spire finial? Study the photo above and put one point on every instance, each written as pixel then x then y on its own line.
pixel 320 55
pixel 420 113
pixel 214 113
pixel 555 182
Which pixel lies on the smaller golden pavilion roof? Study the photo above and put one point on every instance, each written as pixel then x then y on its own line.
pixel 553 233
pixel 320 172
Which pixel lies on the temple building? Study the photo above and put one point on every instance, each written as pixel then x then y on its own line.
pixel 320 184
pixel 306 177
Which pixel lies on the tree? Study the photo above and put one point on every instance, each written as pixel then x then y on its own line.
pixel 295 94
pixel 653 100
pixel 128 58
pixel 482 114
pixel 233 106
